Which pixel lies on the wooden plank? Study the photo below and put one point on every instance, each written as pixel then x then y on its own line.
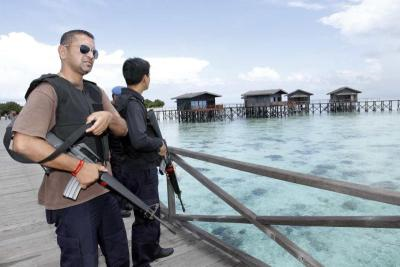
pixel 20 230
pixel 18 219
pixel 27 245
pixel 352 189
pixel 198 254
pixel 47 257
pixel 225 247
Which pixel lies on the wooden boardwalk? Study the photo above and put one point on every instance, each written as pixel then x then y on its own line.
pixel 27 240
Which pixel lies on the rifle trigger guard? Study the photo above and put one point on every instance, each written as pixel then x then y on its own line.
pixel 149 214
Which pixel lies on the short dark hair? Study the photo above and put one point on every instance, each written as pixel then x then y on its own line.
pixel 67 37
pixel 134 69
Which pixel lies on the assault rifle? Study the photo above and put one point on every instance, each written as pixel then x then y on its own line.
pixel 166 165
pixel 83 152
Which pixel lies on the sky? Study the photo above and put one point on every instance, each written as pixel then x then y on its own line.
pixel 226 47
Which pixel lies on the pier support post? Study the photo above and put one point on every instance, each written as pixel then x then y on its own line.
pixel 171 201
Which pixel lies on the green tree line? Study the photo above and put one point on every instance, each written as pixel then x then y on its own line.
pixel 153 104
pixel 5 108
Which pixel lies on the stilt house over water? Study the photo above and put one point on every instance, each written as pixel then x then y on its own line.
pixel 344 94
pixel 194 101
pixel 299 97
pixel 259 98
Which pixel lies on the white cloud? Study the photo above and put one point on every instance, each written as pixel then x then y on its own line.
pixel 107 71
pixel 23 59
pixel 306 5
pixel 169 70
pixel 176 69
pixel 367 16
pixel 303 78
pixel 210 82
pixel 371 73
pixel 260 74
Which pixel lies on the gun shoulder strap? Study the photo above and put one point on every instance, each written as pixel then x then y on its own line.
pixel 78 133
pixel 151 119
pixel 8 136
pixel 151 116
pixel 132 98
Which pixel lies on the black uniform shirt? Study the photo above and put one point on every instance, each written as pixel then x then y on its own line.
pixel 137 125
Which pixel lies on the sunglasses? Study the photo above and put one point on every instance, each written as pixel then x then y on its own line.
pixel 84 49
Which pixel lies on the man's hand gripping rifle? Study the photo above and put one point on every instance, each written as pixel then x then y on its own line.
pixel 83 152
pixel 166 165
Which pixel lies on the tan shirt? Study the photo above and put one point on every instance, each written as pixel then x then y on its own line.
pixel 37 118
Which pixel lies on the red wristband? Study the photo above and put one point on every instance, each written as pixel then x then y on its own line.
pixel 78 168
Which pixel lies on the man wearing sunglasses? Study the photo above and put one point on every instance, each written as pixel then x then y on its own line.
pixel 62 103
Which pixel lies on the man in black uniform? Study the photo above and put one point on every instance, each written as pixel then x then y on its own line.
pixel 143 154
pixel 117 158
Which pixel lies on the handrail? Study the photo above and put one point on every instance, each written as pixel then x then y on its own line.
pixel 274 234
pixel 264 222
pixel 352 189
pixel 327 221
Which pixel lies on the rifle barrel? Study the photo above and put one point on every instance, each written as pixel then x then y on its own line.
pixel 117 186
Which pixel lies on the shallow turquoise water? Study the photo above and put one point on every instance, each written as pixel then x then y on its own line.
pixel 359 147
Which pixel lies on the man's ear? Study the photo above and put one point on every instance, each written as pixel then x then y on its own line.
pixel 144 79
pixel 62 51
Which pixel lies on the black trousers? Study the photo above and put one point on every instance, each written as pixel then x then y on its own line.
pixel 145 232
pixel 116 166
pixel 81 228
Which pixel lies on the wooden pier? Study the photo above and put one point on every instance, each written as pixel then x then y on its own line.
pixel 27 240
pixel 282 109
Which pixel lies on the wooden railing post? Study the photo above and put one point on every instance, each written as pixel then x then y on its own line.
pixel 171 201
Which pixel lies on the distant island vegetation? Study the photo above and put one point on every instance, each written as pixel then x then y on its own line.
pixel 154 104
pixel 6 108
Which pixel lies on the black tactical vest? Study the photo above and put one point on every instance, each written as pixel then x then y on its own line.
pixel 137 158
pixel 73 107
